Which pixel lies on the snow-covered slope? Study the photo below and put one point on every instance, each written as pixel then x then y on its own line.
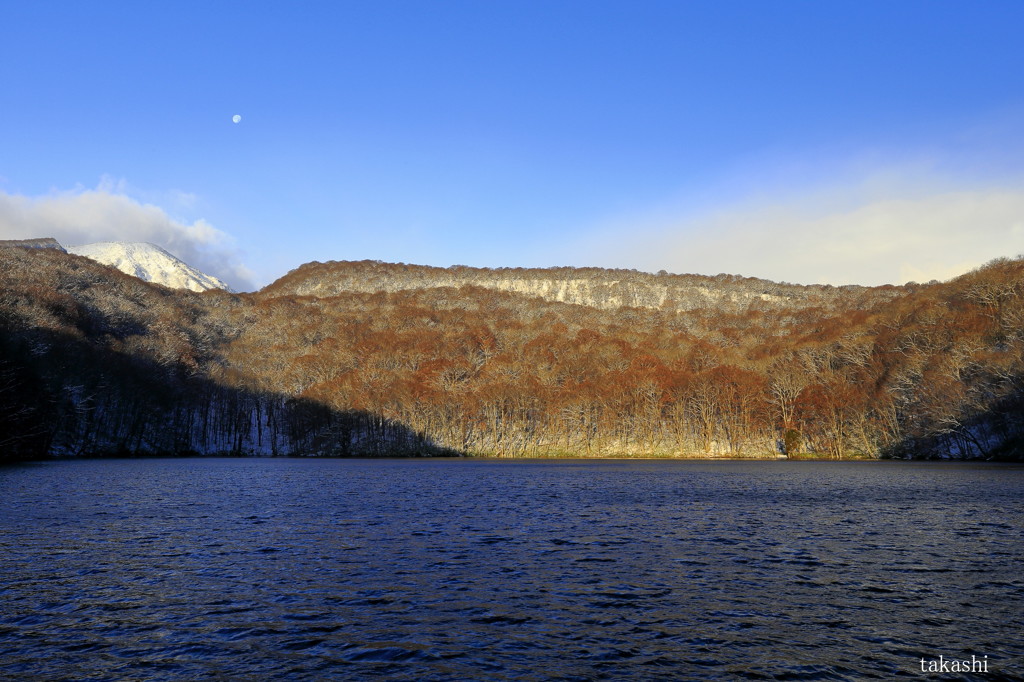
pixel 149 262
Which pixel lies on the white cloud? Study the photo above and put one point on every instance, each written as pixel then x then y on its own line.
pixel 853 235
pixel 108 214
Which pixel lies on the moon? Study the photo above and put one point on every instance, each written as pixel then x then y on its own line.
pixel 236 118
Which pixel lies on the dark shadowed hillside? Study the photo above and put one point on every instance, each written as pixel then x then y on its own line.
pixel 96 362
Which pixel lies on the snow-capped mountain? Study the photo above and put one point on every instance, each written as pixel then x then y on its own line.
pixel 149 262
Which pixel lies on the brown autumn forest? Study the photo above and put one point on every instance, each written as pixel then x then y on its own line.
pixel 371 359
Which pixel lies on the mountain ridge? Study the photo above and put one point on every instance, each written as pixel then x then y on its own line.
pixel 596 287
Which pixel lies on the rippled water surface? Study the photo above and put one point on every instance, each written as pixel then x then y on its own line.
pixel 498 569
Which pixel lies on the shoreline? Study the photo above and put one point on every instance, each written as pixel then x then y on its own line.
pixel 681 458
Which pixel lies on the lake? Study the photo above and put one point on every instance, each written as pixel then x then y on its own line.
pixel 309 569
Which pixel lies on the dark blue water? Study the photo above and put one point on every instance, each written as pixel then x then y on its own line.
pixel 509 570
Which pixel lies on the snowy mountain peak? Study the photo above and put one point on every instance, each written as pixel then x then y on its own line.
pixel 149 262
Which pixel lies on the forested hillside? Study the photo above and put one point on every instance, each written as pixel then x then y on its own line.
pixel 96 362
pixel 93 361
pixel 596 287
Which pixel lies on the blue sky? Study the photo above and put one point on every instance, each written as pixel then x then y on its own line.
pixel 836 141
